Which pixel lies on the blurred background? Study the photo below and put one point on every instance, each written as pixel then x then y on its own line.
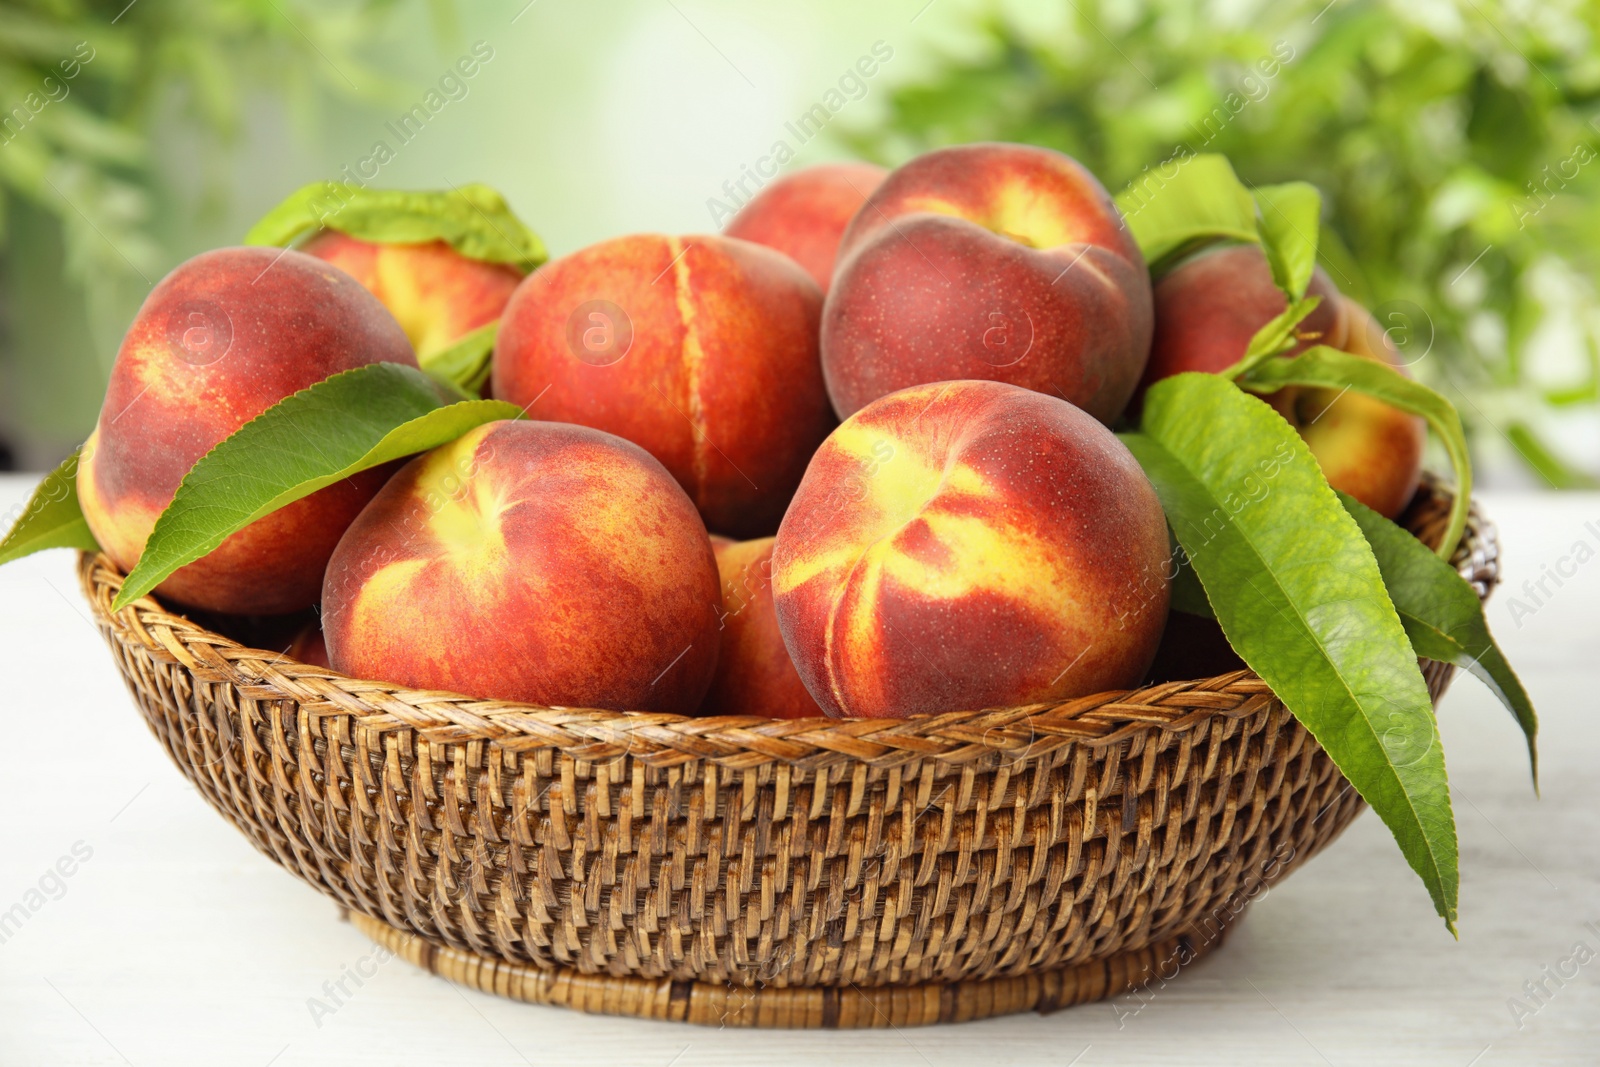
pixel 1457 144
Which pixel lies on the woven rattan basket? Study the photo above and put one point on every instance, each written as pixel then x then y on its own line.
pixel 754 872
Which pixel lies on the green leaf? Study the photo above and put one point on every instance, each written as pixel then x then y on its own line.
pixel 352 421
pixel 1289 224
pixel 1274 338
pixel 1298 594
pixel 51 518
pixel 466 363
pixel 1185 202
pixel 473 219
pixel 1330 368
pixel 1443 615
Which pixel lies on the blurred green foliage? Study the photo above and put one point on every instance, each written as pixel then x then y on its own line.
pixel 1457 143
pixel 85 86
pixel 82 84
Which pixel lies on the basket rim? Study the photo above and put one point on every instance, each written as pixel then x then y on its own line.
pixel 660 739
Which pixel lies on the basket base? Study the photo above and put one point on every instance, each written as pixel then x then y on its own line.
pixel 803 1008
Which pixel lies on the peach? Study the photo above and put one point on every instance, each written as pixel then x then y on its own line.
pixel 308 646
pixel 1001 262
pixel 970 544
pixel 437 294
pixel 1211 305
pixel 804 214
pixel 755 675
pixel 1366 448
pixel 221 339
pixel 702 350
pixel 530 561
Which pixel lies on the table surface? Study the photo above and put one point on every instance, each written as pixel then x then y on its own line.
pixel 172 941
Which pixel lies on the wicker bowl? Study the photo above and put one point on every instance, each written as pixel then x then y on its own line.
pixel 757 872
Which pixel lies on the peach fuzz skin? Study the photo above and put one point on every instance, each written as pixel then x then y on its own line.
pixel 530 561
pixel 1207 309
pixel 1209 306
pixel 1365 447
pixel 755 675
pixel 218 341
pixel 1001 262
pixel 702 350
pixel 804 214
pixel 965 545
pixel 437 294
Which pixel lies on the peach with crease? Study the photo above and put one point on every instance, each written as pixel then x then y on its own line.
pixel 709 363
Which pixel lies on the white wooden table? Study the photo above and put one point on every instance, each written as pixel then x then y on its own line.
pixel 172 941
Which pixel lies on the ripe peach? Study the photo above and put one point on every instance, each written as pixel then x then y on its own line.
pixel 1211 305
pixel 804 214
pixel 308 646
pixel 702 350
pixel 965 545
pixel 1366 448
pixel 988 261
pixel 530 561
pixel 754 673
pixel 437 294
pixel 221 339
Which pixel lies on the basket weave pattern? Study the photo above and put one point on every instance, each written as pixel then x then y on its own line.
pixel 745 852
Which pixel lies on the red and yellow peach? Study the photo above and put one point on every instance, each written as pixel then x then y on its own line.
pixel 970 544
pixel 437 294
pixel 702 350
pixel 1209 307
pixel 221 339
pixel 530 561
pixel 755 675
pixel 804 214
pixel 1000 262
pixel 1366 448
